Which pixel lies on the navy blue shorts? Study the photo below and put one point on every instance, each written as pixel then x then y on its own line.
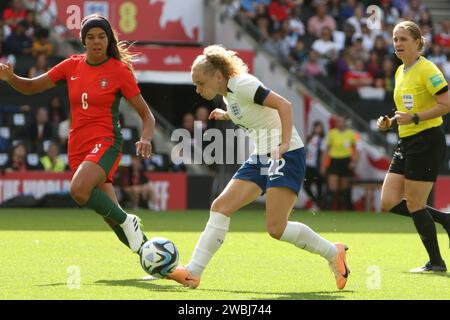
pixel 288 172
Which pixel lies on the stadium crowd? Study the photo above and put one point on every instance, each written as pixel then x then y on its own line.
pixel 340 40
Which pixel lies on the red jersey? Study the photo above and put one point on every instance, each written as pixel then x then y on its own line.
pixel 94 94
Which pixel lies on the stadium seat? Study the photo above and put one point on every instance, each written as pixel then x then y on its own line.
pixel 41 146
pixel 5 132
pixel 3 159
pixel 126 134
pixel 125 161
pixel 33 159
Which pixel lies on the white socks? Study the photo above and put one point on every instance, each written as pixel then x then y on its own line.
pixel 305 238
pixel 209 242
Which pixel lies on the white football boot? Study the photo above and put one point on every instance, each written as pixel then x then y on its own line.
pixel 132 229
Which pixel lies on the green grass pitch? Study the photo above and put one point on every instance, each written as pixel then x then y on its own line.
pixel 72 254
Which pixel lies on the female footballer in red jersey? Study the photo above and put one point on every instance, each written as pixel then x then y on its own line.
pixel 96 81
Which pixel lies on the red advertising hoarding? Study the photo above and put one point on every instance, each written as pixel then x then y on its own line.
pixel 137 20
pixel 170 64
pixel 441 193
pixel 171 188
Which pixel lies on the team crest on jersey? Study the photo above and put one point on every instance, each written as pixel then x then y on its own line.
pixel 103 83
pixel 236 110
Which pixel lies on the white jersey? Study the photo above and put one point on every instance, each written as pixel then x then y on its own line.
pixel 244 106
pixel 313 150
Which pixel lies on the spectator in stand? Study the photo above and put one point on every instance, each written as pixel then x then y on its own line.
pixel 386 34
pixel 442 38
pixel 40 128
pixel 356 19
pixel 312 66
pixel 342 66
pixel 295 23
pixel 325 47
pixel 279 11
pixel 401 5
pixel 15 14
pixel 263 23
pixel 201 114
pixel 3 55
pixel 425 19
pixel 368 36
pixel 387 74
pixel 40 67
pixel 56 111
pixel 334 9
pixel 313 177
pixel 380 46
pixel 289 36
pixel 249 7
pixel 17 159
pixel 348 9
pixel 320 20
pixel 277 46
pixel 357 51
pixel 137 186
pixel 32 26
pixel 188 122
pixel 357 77
pixel 42 45
pixel 437 56
pixel 52 161
pixel 297 56
pixel 5 30
pixel 18 43
pixel 63 133
pixel 373 65
pixel 413 10
pixel 349 33
pixel 390 13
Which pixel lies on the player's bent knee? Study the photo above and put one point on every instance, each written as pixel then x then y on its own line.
pixel 219 205
pixel 78 194
pixel 387 203
pixel 414 205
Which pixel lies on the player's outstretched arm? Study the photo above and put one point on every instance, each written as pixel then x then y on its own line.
pixel 25 85
pixel 144 146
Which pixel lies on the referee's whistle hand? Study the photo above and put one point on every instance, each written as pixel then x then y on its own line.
pixel 383 123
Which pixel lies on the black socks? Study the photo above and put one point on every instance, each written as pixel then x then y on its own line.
pixel 427 230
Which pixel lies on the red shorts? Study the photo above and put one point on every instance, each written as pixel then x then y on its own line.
pixel 105 154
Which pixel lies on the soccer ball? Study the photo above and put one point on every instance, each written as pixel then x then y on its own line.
pixel 159 257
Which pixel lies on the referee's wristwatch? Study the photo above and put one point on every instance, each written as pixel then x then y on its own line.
pixel 415 118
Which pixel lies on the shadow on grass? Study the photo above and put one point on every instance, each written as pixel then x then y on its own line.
pixel 150 285
pixel 430 274
pixel 321 295
pixel 134 283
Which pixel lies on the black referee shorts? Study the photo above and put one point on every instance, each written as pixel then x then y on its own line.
pixel 340 167
pixel 418 157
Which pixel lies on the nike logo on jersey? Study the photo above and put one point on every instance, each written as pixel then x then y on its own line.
pixel 274 178
pixel 73 78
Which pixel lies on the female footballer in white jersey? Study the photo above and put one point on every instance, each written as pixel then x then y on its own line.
pixel 276 167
